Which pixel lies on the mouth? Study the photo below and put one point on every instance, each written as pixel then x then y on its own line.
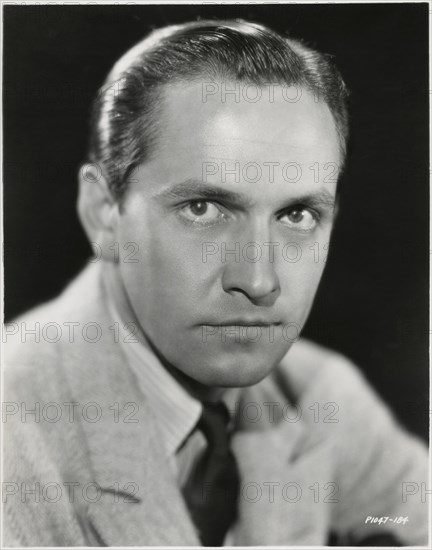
pixel 246 331
pixel 243 323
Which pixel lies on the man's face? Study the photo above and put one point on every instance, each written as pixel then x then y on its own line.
pixel 232 217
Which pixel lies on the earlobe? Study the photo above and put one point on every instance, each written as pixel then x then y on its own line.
pixel 97 209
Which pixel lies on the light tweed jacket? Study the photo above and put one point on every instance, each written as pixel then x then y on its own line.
pixel 99 476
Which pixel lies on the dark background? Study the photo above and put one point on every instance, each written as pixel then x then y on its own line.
pixel 373 300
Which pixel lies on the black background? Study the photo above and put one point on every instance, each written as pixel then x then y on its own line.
pixel 373 300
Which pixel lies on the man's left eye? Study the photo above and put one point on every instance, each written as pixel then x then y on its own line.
pixel 201 211
pixel 300 219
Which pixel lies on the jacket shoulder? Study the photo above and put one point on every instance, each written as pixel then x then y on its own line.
pixel 34 343
pixel 309 365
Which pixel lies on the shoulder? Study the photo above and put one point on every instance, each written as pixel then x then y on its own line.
pixel 311 368
pixel 35 342
pixel 39 361
pixel 316 378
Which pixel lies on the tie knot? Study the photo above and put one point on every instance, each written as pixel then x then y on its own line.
pixel 214 424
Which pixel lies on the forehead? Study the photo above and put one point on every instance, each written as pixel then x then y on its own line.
pixel 222 129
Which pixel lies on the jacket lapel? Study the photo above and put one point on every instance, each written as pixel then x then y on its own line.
pixel 279 473
pixel 139 503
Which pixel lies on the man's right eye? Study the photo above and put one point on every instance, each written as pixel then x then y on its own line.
pixel 202 212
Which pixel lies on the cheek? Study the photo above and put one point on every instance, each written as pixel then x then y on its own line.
pixel 169 274
pixel 300 275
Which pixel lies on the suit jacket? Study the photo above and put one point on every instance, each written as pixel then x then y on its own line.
pixel 83 463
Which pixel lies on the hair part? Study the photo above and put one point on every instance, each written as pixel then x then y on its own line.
pixel 124 128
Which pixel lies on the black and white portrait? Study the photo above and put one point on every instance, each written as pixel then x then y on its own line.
pixel 215 275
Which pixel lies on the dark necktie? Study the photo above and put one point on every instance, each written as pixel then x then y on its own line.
pixel 211 491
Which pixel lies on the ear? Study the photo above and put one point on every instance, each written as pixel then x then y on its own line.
pixel 97 209
pixel 336 208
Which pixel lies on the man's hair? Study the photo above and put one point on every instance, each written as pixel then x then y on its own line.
pixel 124 121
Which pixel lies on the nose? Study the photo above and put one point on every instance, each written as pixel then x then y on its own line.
pixel 251 271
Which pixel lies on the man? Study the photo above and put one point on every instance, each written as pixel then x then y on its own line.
pixel 166 398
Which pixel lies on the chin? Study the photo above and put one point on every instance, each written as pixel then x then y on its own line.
pixel 235 370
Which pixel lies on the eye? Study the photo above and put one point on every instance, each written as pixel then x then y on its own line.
pixel 300 219
pixel 202 212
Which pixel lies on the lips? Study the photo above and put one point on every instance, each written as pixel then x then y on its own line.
pixel 242 323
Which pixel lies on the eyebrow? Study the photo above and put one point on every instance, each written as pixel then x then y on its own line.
pixel 190 188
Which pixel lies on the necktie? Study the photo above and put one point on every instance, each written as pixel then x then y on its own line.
pixel 211 491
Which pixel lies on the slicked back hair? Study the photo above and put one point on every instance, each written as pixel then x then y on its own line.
pixel 124 121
